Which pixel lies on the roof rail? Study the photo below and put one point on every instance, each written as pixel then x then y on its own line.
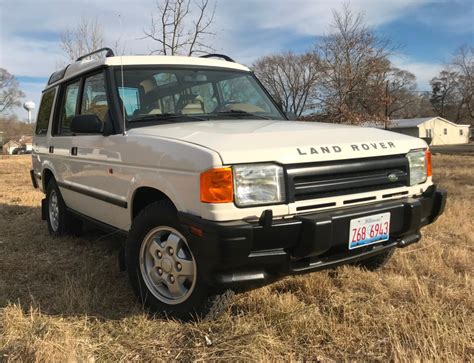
pixel 217 55
pixel 110 53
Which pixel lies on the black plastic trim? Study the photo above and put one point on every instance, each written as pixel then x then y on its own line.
pixel 33 179
pixel 218 55
pixel 101 225
pixel 90 193
pixel 110 53
pixel 334 178
pixel 239 253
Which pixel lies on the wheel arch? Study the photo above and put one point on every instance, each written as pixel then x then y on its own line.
pixel 46 177
pixel 143 196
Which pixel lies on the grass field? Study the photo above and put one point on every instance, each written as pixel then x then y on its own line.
pixel 65 299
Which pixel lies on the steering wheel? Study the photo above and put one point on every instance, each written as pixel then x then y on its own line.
pixel 224 105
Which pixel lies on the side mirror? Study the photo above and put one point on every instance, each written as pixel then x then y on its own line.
pixel 87 124
pixel 291 116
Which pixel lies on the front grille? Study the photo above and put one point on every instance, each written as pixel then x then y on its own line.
pixel 328 179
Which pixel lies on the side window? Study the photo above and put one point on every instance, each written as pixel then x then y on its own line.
pixel 461 132
pixel 445 131
pixel 130 98
pixel 94 97
pixel 44 113
pixel 68 107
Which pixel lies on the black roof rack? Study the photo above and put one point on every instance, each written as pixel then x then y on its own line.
pixel 110 53
pixel 217 55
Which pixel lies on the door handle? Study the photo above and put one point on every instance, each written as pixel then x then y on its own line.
pixel 74 151
pixel 51 149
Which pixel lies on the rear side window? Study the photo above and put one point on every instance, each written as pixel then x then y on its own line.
pixel 44 113
pixel 68 107
pixel 94 97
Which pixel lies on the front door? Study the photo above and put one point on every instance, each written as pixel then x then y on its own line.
pixel 96 170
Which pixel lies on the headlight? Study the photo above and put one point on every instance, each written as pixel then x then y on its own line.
pixel 418 166
pixel 258 184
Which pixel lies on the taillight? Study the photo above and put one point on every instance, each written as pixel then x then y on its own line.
pixel 217 186
pixel 429 169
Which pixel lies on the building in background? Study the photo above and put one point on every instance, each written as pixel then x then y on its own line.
pixel 435 129
pixel 27 143
pixel 24 145
pixel 11 146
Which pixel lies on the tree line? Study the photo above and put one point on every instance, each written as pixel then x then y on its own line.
pixel 346 77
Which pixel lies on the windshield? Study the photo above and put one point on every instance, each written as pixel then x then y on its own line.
pixel 181 95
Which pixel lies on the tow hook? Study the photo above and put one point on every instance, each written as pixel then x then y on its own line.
pixel 408 240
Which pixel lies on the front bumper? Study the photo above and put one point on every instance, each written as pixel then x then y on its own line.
pixel 231 254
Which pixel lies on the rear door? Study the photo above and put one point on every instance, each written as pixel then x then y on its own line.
pixel 43 132
pixel 59 144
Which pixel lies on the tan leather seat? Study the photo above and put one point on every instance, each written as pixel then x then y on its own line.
pixel 99 107
pixel 191 105
pixel 148 86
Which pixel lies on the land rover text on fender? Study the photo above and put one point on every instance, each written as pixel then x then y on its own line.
pixel 211 183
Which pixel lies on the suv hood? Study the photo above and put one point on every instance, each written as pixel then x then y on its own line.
pixel 286 142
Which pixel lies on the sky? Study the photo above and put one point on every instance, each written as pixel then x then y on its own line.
pixel 425 32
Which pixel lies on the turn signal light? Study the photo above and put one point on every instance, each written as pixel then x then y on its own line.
pixel 429 169
pixel 217 186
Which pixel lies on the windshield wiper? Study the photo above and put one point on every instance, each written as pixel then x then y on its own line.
pixel 239 113
pixel 167 117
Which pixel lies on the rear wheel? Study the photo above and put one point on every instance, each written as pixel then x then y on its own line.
pixel 57 215
pixel 59 220
pixel 161 266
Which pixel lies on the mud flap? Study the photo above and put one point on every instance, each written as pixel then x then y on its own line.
pixel 44 209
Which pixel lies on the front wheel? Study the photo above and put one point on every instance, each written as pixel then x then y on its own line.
pixel 161 266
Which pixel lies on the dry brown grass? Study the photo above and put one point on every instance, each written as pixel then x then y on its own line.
pixel 65 299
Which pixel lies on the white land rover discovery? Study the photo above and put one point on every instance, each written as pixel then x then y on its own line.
pixel 212 184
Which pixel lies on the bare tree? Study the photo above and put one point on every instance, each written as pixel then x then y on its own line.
pixel 463 63
pixel 290 78
pixel 10 93
pixel 400 92
pixel 86 37
pixel 444 93
pixel 181 27
pixel 452 93
pixel 354 65
pixel 13 128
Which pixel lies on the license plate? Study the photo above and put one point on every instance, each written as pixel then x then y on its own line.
pixel 368 230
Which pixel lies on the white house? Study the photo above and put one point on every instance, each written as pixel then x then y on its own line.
pixel 438 129
pixel 25 143
pixel 10 146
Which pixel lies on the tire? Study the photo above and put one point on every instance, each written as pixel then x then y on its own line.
pixel 56 215
pixel 376 262
pixel 161 266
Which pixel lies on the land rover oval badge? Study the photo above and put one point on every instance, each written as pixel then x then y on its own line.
pixel 392 177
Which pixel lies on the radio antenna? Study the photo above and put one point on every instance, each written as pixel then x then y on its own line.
pixel 122 89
